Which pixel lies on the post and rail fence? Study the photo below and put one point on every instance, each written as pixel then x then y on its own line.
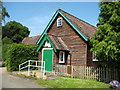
pixel 32 63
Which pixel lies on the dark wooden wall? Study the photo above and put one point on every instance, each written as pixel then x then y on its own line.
pixel 75 43
pixel 79 54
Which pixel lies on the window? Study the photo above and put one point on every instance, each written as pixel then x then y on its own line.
pixel 61 57
pixel 94 56
pixel 59 22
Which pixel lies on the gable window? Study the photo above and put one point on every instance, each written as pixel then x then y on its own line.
pixel 61 57
pixel 59 22
pixel 94 56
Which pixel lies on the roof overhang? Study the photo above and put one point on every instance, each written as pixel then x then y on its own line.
pixel 43 41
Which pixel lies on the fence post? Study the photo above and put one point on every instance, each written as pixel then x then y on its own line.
pixel 107 75
pixel 19 68
pixel 36 63
pixel 29 68
pixel 72 72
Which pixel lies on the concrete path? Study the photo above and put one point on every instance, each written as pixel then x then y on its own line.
pixel 10 81
pixel 0 78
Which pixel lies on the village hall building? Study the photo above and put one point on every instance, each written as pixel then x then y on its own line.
pixel 65 41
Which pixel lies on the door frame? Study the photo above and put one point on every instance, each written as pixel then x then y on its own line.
pixel 42 56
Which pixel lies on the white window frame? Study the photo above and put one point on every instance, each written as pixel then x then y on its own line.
pixel 60 59
pixel 94 56
pixel 59 22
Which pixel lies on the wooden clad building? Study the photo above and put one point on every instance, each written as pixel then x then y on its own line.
pixel 65 41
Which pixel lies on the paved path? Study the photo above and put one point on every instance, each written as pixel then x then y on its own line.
pixel 0 78
pixel 10 81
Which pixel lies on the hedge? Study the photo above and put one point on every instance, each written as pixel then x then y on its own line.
pixel 19 53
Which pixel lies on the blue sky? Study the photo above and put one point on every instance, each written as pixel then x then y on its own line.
pixel 36 15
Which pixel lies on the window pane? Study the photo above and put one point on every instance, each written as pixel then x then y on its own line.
pixel 59 22
pixel 61 57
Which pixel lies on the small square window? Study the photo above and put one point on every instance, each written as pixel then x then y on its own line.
pixel 61 57
pixel 59 22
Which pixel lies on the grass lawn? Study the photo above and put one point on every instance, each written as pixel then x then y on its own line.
pixel 66 82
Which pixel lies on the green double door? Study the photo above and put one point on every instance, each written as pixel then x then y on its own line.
pixel 47 57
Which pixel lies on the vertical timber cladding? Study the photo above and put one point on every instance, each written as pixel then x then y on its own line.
pixel 40 58
pixel 73 41
pixel 47 56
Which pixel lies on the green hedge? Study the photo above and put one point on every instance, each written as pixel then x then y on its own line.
pixel 19 53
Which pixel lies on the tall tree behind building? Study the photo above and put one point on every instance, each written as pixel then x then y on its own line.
pixel 106 42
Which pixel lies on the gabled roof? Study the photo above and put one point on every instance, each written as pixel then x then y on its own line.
pixel 31 40
pixel 56 42
pixel 84 29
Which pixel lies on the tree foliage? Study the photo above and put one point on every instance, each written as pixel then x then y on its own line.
pixel 106 42
pixel 4 12
pixel 6 40
pixel 15 31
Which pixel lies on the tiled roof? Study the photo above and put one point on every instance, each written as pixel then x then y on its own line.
pixel 31 40
pixel 58 42
pixel 87 29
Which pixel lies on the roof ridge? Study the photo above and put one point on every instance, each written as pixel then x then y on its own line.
pixel 33 36
pixel 76 17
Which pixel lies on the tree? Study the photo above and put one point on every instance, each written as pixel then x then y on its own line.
pixel 4 13
pixel 106 42
pixel 15 31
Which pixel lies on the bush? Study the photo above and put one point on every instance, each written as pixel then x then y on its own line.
pixel 5 41
pixel 19 53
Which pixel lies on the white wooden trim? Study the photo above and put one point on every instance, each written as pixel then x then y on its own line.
pixel 46 48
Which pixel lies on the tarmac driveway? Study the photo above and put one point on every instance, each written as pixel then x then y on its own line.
pixel 10 81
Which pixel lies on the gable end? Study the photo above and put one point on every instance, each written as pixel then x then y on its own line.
pixel 63 16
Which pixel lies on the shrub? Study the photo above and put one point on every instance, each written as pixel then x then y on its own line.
pixel 19 53
pixel 5 41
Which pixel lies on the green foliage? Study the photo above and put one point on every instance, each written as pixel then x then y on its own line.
pixel 15 31
pixel 6 40
pixel 19 53
pixel 106 42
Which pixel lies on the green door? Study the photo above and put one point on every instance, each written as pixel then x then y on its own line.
pixel 47 57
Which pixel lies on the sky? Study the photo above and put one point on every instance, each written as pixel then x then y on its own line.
pixel 36 15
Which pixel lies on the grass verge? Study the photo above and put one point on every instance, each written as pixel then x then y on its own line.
pixel 65 82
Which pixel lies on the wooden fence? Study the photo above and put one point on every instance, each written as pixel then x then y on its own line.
pixel 87 72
